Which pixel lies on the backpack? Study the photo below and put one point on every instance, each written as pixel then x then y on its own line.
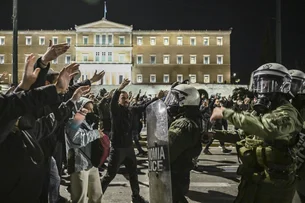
pixel 100 150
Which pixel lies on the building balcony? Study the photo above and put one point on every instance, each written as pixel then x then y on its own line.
pixel 97 62
pixel 102 45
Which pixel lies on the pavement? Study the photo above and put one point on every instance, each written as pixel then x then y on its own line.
pixel 215 181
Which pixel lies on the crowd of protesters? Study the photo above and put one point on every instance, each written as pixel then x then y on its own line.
pixel 49 122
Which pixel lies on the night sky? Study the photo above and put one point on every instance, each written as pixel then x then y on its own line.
pixel 253 23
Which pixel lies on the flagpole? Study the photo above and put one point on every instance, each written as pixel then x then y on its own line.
pixel 105 10
pixel 278 32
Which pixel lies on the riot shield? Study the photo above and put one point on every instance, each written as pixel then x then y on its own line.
pixel 160 187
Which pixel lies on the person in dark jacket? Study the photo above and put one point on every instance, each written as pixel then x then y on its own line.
pixel 22 171
pixel 122 151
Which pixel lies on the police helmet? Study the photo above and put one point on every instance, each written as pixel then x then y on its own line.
pixel 298 82
pixel 183 95
pixel 270 78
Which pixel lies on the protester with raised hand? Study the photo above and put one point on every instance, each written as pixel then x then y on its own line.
pixel 122 151
pixel 23 152
pixel 52 53
pixel 15 105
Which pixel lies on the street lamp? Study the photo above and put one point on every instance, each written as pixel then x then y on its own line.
pixel 15 42
pixel 234 74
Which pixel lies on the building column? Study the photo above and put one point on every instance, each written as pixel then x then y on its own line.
pixel 110 78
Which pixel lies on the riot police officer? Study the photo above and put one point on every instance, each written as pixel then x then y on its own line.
pixel 184 136
pixel 298 101
pixel 267 153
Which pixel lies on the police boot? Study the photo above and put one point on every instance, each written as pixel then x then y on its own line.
pixel 138 199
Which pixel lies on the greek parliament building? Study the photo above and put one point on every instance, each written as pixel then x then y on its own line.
pixel 144 56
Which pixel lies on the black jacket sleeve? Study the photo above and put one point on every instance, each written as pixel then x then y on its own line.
pixel 42 77
pixel 47 125
pixel 18 104
pixel 114 103
pixel 141 108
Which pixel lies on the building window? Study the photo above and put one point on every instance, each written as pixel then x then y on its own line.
pixel 139 78
pixel 192 78
pixel 104 57
pixel 193 41
pixel 179 59
pixel 110 40
pixel 166 78
pixel 85 40
pixel 219 78
pixel 206 78
pixel 55 40
pixel 219 59
pixel 179 78
pixel 206 59
pixel 1 59
pixel 139 40
pixel 97 39
pixel 28 40
pixel 166 41
pixel 166 59
pixel 97 56
pixel 54 61
pixel 85 57
pixel 153 78
pixel 139 59
pixel 153 59
pixel 121 77
pixel 68 59
pixel 179 41
pixel 193 59
pixel 206 41
pixel 42 40
pixel 219 41
pixel 122 58
pixel 109 56
pixel 2 40
pixel 68 40
pixel 104 39
pixel 152 41
pixel 122 40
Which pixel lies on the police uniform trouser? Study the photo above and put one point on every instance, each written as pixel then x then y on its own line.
pixel 180 186
pixel 117 157
pixel 264 190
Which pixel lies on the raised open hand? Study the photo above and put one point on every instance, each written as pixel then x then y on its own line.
pixel 54 51
pixel 65 75
pixel 97 76
pixel 29 75
pixel 124 84
pixel 80 92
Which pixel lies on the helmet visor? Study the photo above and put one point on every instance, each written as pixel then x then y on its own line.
pixel 298 86
pixel 172 99
pixel 270 84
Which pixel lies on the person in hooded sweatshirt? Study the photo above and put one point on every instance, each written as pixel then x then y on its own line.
pixel 85 179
